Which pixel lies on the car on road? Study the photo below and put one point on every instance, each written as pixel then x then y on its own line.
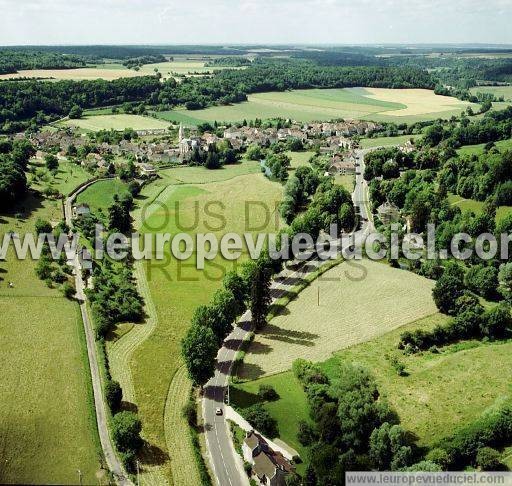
pixel 218 411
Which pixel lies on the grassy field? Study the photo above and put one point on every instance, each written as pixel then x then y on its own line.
pixel 385 141
pixel 479 149
pixel 200 175
pixel 289 410
pixel 101 194
pixel 337 304
pixel 316 104
pixel 505 91
pixel 347 181
pixel 476 206
pixel 48 428
pixel 67 178
pixel 177 289
pixel 299 158
pixel 435 398
pixel 115 122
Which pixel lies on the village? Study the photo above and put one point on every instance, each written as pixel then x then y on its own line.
pixel 151 150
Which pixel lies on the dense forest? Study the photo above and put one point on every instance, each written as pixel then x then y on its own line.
pixel 11 61
pixel 32 101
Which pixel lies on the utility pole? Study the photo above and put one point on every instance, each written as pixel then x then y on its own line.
pixel 138 482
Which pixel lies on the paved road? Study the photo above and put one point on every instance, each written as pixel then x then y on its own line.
pixel 226 463
pixel 113 462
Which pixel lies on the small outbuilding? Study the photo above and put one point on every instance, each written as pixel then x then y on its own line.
pixel 80 210
pixel 388 213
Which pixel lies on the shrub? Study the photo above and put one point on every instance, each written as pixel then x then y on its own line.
pixel 446 291
pixel 438 456
pixel 488 459
pixel 113 395
pixel 126 428
pixel 482 280
pixel 68 290
pixel 398 366
pixel 248 468
pixel 306 434
pixel 424 466
pixel 261 420
pixel 496 322
pixel 190 412
pixel 308 373
pixel 494 430
pixel 267 392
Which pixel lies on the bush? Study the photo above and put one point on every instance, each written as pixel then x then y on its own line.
pixel 496 322
pixel 446 291
pixel 261 420
pixel 494 430
pixel 438 456
pixel 126 428
pixel 267 392
pixel 482 280
pixel 306 434
pixel 398 366
pixel 488 459
pixel 424 466
pixel 190 412
pixel 308 373
pixel 128 459
pixel 68 290
pixel 248 468
pixel 113 395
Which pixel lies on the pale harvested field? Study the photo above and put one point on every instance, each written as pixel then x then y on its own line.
pixel 115 122
pixel 180 66
pixel 418 101
pixel 352 310
pixel 76 74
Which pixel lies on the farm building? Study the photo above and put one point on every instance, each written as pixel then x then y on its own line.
pixel 81 210
pixel 269 466
pixel 388 213
pixel 85 258
pixel 342 166
pixel 147 170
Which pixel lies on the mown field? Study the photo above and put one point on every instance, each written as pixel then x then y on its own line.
pixel 115 122
pixel 351 303
pixel 400 105
pixel 100 195
pixel 67 178
pixel 479 149
pixel 498 91
pixel 299 159
pixel 385 141
pixel 176 289
pixel 47 426
pixel 436 397
pixel 476 206
pixel 347 181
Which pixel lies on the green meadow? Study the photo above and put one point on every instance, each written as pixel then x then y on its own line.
pixel 48 427
pixel 192 200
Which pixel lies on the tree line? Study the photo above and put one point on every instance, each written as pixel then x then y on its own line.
pixel 11 61
pixel 27 103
